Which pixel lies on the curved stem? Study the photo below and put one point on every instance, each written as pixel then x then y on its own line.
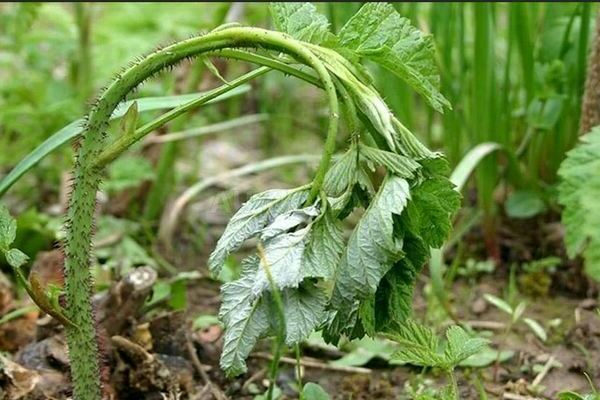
pixel 81 338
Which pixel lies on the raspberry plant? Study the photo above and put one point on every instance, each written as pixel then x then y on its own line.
pixel 352 287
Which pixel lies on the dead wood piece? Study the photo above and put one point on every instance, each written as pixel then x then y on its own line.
pixel 125 299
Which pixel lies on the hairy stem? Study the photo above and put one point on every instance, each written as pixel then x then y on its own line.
pixel 81 337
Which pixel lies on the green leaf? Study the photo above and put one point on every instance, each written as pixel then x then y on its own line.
pixel 16 258
pixel 538 329
pixel 312 391
pixel 304 311
pixel 8 228
pixel 324 247
pixel 342 173
pixel 498 303
pixel 486 357
pixel 372 248
pixel 430 212
pixel 524 204
pixel 75 128
pixel 301 21
pixel 461 346
pixel 130 119
pixel 253 216
pixel 578 192
pixel 205 321
pixel 418 345
pixel 396 164
pixel 246 319
pixel 571 396
pixel 371 251
pixel 380 34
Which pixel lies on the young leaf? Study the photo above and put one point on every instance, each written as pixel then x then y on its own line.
pixel 16 258
pixel 300 20
pixel 130 119
pixel 578 192
pixel 461 346
pixel 418 345
pixel 8 228
pixel 380 34
pixel 253 216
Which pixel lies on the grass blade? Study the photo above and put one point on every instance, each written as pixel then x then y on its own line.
pixel 72 130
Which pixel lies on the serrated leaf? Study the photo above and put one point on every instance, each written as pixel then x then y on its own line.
pixel 380 34
pixel 461 346
pixel 287 221
pixel 418 345
pixel 246 319
pixel 8 228
pixel 304 311
pixel 300 20
pixel 342 173
pixel 253 216
pixel 578 192
pixel 397 164
pixel 394 296
pixel 372 248
pixel 283 255
pixel 430 212
pixel 16 258
pixel 324 247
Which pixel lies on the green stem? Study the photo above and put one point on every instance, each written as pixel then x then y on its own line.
pixel 81 337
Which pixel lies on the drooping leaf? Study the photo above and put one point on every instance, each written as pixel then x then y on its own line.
pixel 289 220
pixel 283 255
pixel 536 328
pixel 253 216
pixel 245 317
pixel 304 311
pixel 579 191
pixel 342 173
pixel 430 212
pixel 380 34
pixel 397 164
pixel 300 20
pixel 324 247
pixel 372 248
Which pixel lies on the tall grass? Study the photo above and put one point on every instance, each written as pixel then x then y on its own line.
pixel 514 73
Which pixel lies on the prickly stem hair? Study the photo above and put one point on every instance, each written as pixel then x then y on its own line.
pixel 81 337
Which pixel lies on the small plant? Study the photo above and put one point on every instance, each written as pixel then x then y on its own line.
pixel 420 346
pixel 516 316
